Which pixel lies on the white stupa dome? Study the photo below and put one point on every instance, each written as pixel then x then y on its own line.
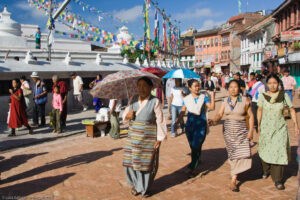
pixel 9 27
pixel 124 35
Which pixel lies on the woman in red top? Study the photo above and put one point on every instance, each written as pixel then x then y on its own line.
pixel 18 116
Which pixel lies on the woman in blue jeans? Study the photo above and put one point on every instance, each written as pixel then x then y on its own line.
pixel 177 95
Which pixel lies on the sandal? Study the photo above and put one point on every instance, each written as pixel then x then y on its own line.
pixel 265 175
pixel 134 192
pixel 146 195
pixel 233 187
pixel 279 186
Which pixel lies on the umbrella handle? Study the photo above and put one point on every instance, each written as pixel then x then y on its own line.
pixel 126 89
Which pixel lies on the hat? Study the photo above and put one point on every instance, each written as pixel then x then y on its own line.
pixel 34 75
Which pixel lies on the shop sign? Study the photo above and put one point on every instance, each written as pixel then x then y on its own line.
pixel 290 36
pixel 282 61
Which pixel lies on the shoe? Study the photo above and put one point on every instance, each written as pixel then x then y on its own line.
pixel 233 187
pixel 134 192
pixel 34 125
pixel 11 135
pixel 173 136
pixel 84 109
pixel 279 186
pixel 31 131
pixel 265 175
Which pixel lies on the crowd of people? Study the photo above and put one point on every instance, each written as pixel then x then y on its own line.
pixel 254 104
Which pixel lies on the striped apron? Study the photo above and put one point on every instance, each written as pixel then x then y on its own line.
pixel 235 135
pixel 139 149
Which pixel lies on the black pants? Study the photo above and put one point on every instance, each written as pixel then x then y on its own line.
pixel 254 110
pixel 13 130
pixel 276 171
pixel 39 110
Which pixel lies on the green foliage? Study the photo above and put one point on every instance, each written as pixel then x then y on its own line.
pixel 296 46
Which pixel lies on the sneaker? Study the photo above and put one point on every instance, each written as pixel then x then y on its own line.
pixel 173 135
pixel 279 186
pixel 84 109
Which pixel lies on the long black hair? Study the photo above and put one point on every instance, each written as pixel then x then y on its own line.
pixel 147 80
pixel 18 84
pixel 191 82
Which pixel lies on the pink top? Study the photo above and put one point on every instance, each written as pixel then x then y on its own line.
pixel 57 102
pixel 288 82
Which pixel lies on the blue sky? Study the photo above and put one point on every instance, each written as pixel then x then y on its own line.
pixel 202 14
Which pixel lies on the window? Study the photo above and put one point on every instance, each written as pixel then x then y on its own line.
pixel 254 58
pixel 200 58
pixel 229 54
pixel 225 56
pixel 257 57
pixel 262 57
pixel 286 20
pixel 222 55
pixel 212 42
pixel 216 42
pixel 200 44
pixel 207 43
pixel 295 14
pixel 196 44
pixel 216 57
pixel 204 43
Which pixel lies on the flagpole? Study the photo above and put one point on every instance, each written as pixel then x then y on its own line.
pixel 49 32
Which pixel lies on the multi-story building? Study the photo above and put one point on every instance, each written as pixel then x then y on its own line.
pixel 187 48
pixel 207 50
pixel 257 45
pixel 287 18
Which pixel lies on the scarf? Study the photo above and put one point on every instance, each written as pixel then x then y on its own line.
pixel 190 104
pixel 277 98
pixel 231 104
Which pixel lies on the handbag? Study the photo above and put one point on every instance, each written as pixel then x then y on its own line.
pixel 27 92
pixel 286 110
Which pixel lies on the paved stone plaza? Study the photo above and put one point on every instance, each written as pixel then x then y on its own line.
pixel 82 168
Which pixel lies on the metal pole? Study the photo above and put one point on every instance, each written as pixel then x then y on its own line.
pixel 49 32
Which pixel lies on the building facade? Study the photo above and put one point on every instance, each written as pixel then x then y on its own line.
pixel 257 45
pixel 287 18
pixel 187 49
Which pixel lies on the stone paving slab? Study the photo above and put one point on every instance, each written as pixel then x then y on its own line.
pixel 85 168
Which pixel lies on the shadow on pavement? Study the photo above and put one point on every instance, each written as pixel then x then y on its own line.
pixel 34 186
pixel 67 162
pixel 15 161
pixel 212 160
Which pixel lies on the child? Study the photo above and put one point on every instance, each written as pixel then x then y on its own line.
pixel 57 109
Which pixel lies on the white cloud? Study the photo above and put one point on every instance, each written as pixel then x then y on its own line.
pixel 208 24
pixel 30 11
pixel 130 14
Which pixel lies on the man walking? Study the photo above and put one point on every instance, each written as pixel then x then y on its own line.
pixel 169 85
pixel 78 88
pixel 40 100
pixel 289 84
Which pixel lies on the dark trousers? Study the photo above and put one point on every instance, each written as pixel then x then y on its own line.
pixel 276 171
pixel 39 110
pixel 254 110
pixel 55 118
pixel 63 117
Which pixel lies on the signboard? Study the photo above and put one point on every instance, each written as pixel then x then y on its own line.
pixel 268 54
pixel 290 36
pixel 281 60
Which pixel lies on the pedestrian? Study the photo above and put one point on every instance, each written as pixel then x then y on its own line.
pixel 214 79
pixel 209 84
pixel 257 89
pixel 226 79
pixel 27 93
pixel 177 94
pixel 196 125
pixel 235 108
pixel 17 117
pixel 147 129
pixel 289 84
pixel 169 85
pixel 274 146
pixel 115 109
pixel 57 108
pixel 237 76
pixel 38 38
pixel 78 89
pixel 159 93
pixel 252 80
pixel 40 100
pixel 63 91
pixel 97 103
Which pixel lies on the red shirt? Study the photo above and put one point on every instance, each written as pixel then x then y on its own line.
pixel 63 89
pixel 251 83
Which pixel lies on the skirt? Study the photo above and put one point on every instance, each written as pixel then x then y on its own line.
pixel 139 149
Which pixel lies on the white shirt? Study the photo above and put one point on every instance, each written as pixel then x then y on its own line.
pixel 215 80
pixel 118 105
pixel 77 82
pixel 227 79
pixel 260 90
pixel 177 96
pixel 26 84
pixel 169 85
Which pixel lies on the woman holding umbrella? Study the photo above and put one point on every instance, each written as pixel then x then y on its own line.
pixel 146 131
